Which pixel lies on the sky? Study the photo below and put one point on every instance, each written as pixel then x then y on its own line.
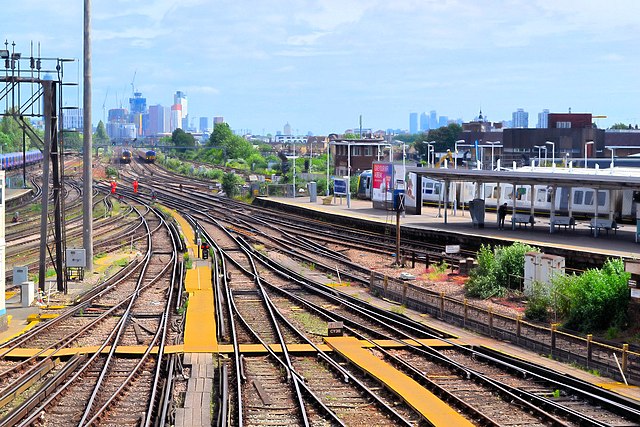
pixel 321 64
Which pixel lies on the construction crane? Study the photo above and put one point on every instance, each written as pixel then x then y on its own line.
pixel 104 110
pixel 133 91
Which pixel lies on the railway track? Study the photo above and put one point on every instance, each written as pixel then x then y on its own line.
pixel 102 387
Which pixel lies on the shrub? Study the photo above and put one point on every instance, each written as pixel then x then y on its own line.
pixel 538 304
pixel 495 270
pixel 599 298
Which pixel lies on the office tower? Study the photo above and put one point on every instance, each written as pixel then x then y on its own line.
pixel 156 120
pixel 218 119
pixel 520 119
pixel 176 117
pixel 433 120
pixel 443 121
pixel 424 122
pixel 543 119
pixel 204 124
pixel 180 98
pixel 287 129
pixel 413 123
pixel 72 119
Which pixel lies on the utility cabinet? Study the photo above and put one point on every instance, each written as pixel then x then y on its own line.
pixel 540 267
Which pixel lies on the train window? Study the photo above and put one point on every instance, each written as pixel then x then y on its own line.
pixel 438 188
pixel 636 196
pixel 588 198
pixel 487 191
pixel 541 195
pixel 602 198
pixel 578 197
pixel 521 193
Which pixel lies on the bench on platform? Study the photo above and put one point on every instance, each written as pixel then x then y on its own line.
pixel 523 219
pixel 327 200
pixel 564 221
pixel 604 224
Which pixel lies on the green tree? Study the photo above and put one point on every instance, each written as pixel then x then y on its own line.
pixel 182 139
pixel 220 135
pixel 445 139
pixel 620 126
pixel 72 139
pixel 230 182
pixel 100 137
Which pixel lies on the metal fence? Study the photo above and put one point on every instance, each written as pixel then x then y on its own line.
pixel 604 359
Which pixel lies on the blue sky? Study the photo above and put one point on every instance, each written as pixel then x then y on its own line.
pixel 320 64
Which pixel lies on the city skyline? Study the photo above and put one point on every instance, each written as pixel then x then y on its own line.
pixel 320 65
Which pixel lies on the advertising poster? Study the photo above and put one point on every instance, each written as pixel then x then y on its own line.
pixel 382 186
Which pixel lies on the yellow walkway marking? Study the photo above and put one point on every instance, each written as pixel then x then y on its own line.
pixel 200 325
pixel 416 396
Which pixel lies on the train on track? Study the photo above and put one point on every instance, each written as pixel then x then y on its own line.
pixel 148 156
pixel 623 202
pixel 125 157
pixel 10 161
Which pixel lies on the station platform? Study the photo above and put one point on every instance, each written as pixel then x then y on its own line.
pixel 621 244
pixel 16 194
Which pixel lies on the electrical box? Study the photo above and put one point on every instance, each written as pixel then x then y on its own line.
pixel 540 267
pixel 76 258
pixel 20 274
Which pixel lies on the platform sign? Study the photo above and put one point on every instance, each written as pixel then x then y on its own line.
pixel 452 249
pixel 340 186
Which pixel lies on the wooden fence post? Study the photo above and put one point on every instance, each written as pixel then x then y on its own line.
pixel 589 348
pixel 466 312
pixel 625 357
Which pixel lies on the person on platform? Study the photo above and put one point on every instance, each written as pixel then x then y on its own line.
pixel 502 213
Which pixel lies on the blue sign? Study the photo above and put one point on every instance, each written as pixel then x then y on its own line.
pixel 340 186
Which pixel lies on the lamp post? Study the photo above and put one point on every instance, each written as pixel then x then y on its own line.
pixel 493 144
pixel 553 152
pixel 328 153
pixel 613 152
pixel 432 151
pixel 585 152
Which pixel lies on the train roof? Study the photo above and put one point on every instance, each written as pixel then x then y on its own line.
pixel 562 177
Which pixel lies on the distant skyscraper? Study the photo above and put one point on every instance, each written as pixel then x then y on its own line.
pixel 433 119
pixel 287 129
pixel 180 98
pixel 520 119
pixel 413 123
pixel 543 119
pixel 137 104
pixel 424 122
pixel 176 117
pixel 443 121
pixel 217 120
pixel 204 124
pixel 156 120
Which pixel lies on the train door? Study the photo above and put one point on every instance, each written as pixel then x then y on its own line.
pixel 562 198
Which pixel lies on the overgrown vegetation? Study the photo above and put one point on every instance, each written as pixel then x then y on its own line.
pixel 596 300
pixel 498 271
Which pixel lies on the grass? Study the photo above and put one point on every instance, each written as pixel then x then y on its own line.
pixel 401 309
pixel 311 323
pixel 122 262
pixel 188 262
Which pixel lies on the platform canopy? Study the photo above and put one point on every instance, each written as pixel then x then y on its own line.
pixel 590 178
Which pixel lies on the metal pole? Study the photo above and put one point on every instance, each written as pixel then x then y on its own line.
pixel 328 153
pixel 87 171
pixel 48 118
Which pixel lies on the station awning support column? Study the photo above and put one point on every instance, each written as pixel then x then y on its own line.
pixel 513 214
pixel 446 199
pixel 552 210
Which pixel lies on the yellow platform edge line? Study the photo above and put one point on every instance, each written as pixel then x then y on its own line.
pixel 416 396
